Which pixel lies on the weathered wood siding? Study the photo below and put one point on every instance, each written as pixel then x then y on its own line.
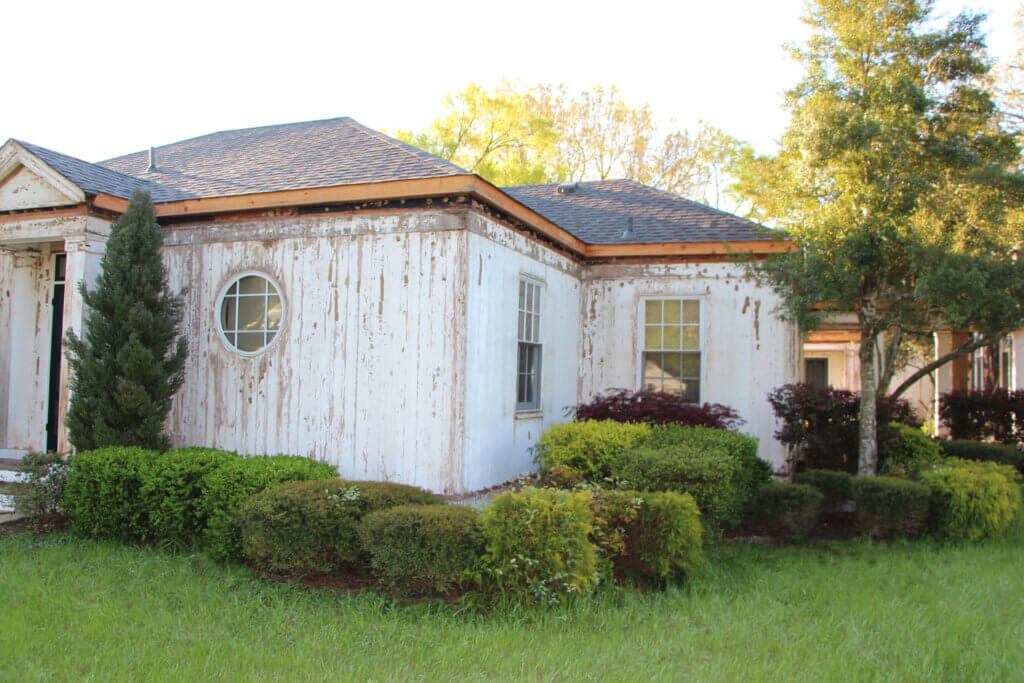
pixel 498 437
pixel 746 349
pixel 368 370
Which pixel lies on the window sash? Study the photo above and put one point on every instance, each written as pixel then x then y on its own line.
pixel 529 351
pixel 671 358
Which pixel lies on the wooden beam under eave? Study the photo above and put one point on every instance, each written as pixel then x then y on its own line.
pixel 724 249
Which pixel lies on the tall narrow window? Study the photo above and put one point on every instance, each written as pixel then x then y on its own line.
pixel 530 349
pixel 671 347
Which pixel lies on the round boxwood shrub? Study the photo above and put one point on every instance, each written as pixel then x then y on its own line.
pixel 422 547
pixel 227 486
pixel 972 500
pixel 891 506
pixel 835 486
pixel 103 493
pixel 173 492
pixel 537 546
pixel 783 510
pixel 313 526
pixel 910 451
pixel 593 448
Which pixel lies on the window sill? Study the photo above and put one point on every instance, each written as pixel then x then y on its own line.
pixel 529 414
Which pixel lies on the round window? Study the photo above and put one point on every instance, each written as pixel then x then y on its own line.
pixel 250 313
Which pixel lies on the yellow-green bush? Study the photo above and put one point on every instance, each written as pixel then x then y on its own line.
pixel 593 449
pixel 972 500
pixel 538 546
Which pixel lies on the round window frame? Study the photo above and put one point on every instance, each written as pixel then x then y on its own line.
pixel 220 306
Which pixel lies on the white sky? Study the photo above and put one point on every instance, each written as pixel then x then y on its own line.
pixel 100 79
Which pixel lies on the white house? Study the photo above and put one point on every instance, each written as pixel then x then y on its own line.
pixel 355 299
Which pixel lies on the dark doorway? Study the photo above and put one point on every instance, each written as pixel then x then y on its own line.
pixel 816 372
pixel 56 335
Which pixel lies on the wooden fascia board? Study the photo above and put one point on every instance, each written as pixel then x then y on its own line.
pixel 13 156
pixel 471 185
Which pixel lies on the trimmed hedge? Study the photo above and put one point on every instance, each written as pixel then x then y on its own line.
pixel 972 500
pixel 594 448
pixel 422 547
pixel 963 449
pixel 890 506
pixel 537 546
pixel 104 492
pixel 910 452
pixel 783 510
pixel 647 536
pixel 227 487
pixel 173 491
pixel 313 526
pixel 835 486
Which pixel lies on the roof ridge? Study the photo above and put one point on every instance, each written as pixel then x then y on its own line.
pixel 29 145
pixel 438 162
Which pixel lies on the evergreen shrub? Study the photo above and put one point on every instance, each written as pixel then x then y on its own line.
pixel 104 492
pixel 1006 454
pixel 835 486
pixel 313 526
pixel 910 452
pixel 891 507
pixel 594 448
pixel 783 510
pixel 172 493
pixel 972 500
pixel 422 547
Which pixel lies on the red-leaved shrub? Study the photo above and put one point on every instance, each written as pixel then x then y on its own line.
pixel 981 415
pixel 656 408
pixel 822 424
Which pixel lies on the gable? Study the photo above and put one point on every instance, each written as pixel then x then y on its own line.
pixel 26 182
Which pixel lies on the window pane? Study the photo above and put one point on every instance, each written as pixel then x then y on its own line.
pixel 233 289
pixel 227 314
pixel 521 329
pixel 536 328
pixel 672 364
pixel 672 339
pixel 652 312
pixel 672 312
pixel 691 312
pixel 250 341
pixel 528 336
pixel 251 284
pixel 691 365
pixel 672 386
pixel 652 366
pixel 652 337
pixel 691 390
pixel 273 312
pixel 691 337
pixel 522 295
pixel 251 313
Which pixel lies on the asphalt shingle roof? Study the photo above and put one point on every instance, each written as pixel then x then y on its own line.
pixel 291 156
pixel 598 212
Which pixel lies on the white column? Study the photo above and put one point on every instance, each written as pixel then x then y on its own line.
pixel 84 254
pixel 28 324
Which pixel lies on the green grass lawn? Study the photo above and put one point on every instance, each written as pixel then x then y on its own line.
pixel 75 609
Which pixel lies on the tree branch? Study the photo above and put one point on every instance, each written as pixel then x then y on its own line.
pixel 967 348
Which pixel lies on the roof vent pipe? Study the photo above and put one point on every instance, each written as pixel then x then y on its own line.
pixel 630 231
pixel 152 160
pixel 568 188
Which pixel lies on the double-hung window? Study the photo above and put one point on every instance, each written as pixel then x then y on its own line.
pixel 671 356
pixel 530 349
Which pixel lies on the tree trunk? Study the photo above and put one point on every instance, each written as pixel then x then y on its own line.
pixel 867 456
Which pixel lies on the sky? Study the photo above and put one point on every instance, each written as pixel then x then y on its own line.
pixel 96 80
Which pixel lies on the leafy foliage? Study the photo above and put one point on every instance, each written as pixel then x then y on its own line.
pixel 537 547
pixel 972 500
pixel 985 452
pixel 41 496
pixel 823 424
pixel 313 526
pixel 835 486
pixel 977 415
pixel 172 492
pixel 894 180
pixel 891 506
pixel 910 452
pixel 422 547
pixel 783 510
pixel 656 408
pixel 226 487
pixel 127 366
pixel 594 449
pixel 514 136
pixel 103 494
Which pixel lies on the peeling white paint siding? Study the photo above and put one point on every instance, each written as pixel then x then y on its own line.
pixel 498 438
pixel 367 371
pixel 746 349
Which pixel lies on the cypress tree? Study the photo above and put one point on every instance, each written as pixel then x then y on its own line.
pixel 130 361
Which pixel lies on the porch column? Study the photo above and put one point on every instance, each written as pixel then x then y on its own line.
pixel 852 368
pixel 84 253
pixel 22 404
